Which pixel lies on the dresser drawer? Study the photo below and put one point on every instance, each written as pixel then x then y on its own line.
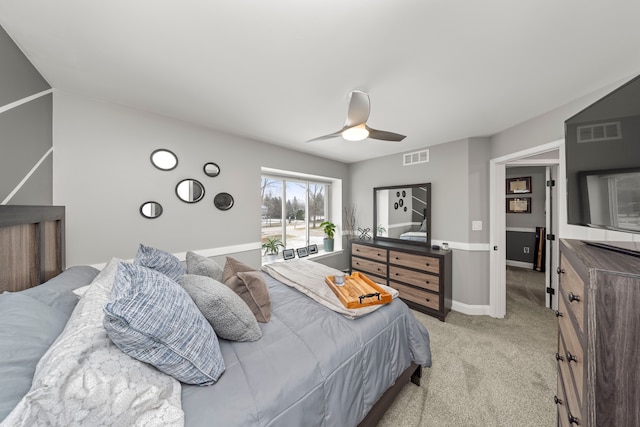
pixel 367 266
pixel 572 288
pixel 573 359
pixel 420 262
pixel 416 278
pixel 370 252
pixel 417 296
pixel 564 404
pixel 572 374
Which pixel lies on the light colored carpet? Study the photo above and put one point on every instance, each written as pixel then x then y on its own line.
pixel 486 371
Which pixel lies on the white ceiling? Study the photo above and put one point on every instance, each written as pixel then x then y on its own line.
pixel 279 71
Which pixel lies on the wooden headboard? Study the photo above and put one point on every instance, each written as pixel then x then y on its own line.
pixel 32 247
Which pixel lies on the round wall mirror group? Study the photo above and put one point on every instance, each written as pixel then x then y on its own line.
pixel 187 190
pixel 190 190
pixel 151 210
pixel 164 159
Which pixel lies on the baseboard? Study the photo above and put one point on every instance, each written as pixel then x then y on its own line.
pixel 521 264
pixel 472 310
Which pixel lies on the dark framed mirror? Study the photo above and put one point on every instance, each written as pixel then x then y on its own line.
pixel 223 201
pixel 190 190
pixel 164 159
pixel 151 209
pixel 412 223
pixel 211 169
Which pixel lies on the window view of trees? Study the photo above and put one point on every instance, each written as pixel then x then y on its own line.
pixel 292 211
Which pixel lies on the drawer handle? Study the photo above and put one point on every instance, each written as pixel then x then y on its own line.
pixel 427 299
pixel 558 401
pixel 427 264
pixel 559 358
pixel 559 270
pixel 427 282
pixel 571 358
pixel 558 314
pixel 397 258
pixel 573 420
pixel 573 297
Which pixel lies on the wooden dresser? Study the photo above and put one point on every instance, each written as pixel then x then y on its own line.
pixel 420 274
pixel 598 351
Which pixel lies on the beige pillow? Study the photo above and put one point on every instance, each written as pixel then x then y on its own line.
pixel 250 286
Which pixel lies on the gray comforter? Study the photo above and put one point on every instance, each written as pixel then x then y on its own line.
pixel 312 367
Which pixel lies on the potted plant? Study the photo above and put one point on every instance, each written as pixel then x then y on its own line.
pixel 329 230
pixel 272 248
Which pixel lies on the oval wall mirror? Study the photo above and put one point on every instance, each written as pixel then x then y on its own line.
pixel 223 201
pixel 164 159
pixel 211 169
pixel 151 210
pixel 190 190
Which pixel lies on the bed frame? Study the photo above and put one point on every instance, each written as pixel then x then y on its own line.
pixel 32 251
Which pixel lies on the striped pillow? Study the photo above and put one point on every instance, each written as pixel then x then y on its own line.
pixel 161 261
pixel 152 319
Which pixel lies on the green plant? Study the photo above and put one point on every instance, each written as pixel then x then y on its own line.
pixel 381 230
pixel 328 228
pixel 272 246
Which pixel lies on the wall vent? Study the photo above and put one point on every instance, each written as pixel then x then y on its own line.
pixel 415 158
pixel 599 132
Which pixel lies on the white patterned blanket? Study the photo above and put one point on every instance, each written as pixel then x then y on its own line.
pixel 308 277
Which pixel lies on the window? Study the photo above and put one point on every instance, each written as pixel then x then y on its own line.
pixel 293 207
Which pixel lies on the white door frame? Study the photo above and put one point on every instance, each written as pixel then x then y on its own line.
pixel 497 216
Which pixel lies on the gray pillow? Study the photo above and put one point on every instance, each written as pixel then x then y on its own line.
pixel 203 266
pixel 229 315
pixel 152 319
pixel 161 261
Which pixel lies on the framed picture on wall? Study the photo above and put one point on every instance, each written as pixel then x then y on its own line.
pixel 288 254
pixel 519 205
pixel 521 185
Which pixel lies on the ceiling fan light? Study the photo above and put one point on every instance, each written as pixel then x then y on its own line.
pixel 356 133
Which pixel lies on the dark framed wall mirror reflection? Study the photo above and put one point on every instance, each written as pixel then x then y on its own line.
pixel 151 210
pixel 211 169
pixel 190 190
pixel 164 159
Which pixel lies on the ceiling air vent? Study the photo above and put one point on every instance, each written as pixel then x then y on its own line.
pixel 415 158
pixel 599 132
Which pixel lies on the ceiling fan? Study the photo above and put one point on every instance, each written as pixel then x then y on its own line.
pixel 355 128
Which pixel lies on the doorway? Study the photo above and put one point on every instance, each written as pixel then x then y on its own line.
pixel 548 156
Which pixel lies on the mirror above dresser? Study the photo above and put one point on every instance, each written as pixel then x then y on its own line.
pixel 402 213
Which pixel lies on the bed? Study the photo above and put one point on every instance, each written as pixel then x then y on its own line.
pixel 312 366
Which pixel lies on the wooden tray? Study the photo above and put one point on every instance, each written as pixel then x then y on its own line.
pixel 358 291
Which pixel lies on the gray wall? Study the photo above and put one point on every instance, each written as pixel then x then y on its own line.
pixel 459 177
pixel 25 129
pixel 102 174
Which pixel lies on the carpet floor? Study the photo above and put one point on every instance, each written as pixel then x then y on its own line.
pixel 486 371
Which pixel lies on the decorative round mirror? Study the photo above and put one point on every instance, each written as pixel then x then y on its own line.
pixel 223 201
pixel 211 169
pixel 164 159
pixel 190 190
pixel 151 210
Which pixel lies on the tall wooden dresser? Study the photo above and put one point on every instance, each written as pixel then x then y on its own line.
pixel 421 275
pixel 598 351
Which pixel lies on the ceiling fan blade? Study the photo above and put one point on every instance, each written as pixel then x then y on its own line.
pixel 331 135
pixel 384 135
pixel 359 109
